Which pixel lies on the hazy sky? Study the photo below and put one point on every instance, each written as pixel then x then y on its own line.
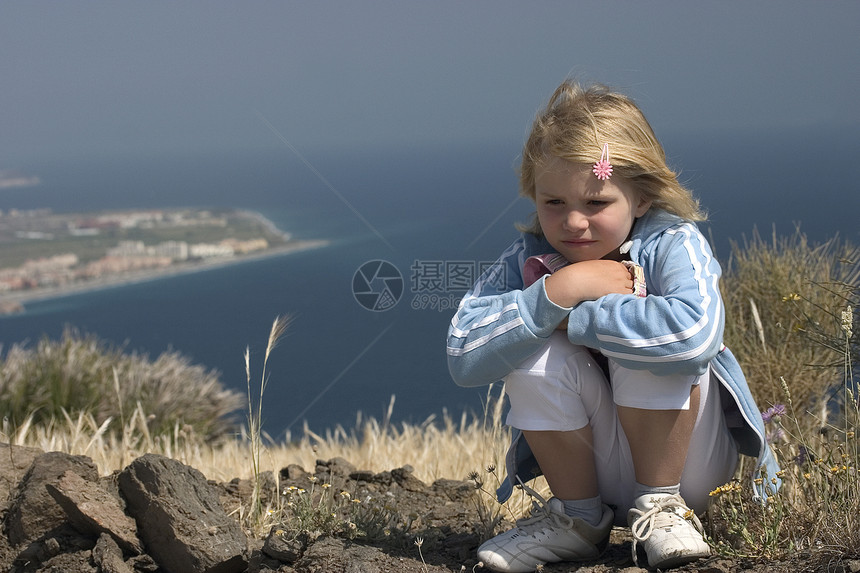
pixel 81 79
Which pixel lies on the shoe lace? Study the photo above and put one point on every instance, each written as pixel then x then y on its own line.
pixel 540 513
pixel 665 512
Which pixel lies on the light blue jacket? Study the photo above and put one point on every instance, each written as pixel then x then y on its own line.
pixel 676 329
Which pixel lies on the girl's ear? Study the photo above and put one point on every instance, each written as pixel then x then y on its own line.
pixel 642 207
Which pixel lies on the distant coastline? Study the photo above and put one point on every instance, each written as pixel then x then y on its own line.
pixel 14 302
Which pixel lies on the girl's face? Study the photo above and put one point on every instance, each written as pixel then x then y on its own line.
pixel 582 217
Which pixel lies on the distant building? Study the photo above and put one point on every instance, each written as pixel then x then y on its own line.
pixel 176 250
pixel 207 250
pixel 128 249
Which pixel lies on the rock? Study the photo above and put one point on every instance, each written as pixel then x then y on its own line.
pixel 284 548
pixel 382 478
pixel 143 564
pixel 335 467
pixel 14 461
pixel 72 562
pixel 293 472
pixel 361 475
pixel 181 522
pixel 455 490
pixel 108 556
pixel 33 512
pixel 404 478
pixel 330 554
pixel 93 511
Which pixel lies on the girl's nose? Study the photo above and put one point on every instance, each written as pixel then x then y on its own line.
pixel 575 221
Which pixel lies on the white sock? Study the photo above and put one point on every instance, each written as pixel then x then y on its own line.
pixel 589 510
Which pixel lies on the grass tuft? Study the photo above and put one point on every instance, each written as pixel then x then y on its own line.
pixel 80 374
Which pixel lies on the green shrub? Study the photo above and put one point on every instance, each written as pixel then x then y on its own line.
pixel 80 373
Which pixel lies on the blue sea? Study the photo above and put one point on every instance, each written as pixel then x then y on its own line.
pixel 435 215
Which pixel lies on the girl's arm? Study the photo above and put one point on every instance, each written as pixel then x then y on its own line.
pixel 677 328
pixel 499 323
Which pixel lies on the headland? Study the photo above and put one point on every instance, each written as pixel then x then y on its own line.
pixel 46 255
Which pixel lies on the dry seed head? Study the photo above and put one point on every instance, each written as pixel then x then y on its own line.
pixel 848 321
pixel 785 389
pixel 279 326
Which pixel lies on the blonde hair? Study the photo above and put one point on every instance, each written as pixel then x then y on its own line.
pixel 575 125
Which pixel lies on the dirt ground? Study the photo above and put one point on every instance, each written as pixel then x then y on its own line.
pixel 446 528
pixel 398 524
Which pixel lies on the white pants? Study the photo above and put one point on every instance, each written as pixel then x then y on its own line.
pixel 562 388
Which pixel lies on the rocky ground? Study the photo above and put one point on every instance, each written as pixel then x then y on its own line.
pixel 160 516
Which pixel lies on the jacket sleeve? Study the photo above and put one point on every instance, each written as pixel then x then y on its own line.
pixel 499 323
pixel 678 327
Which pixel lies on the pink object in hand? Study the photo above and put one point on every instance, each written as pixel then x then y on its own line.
pixel 540 265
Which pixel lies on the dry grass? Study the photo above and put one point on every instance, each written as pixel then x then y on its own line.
pixel 436 448
pixel 784 300
pixel 792 307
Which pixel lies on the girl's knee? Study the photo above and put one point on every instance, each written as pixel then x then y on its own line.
pixel 546 391
pixel 644 390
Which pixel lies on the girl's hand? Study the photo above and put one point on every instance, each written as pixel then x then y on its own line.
pixel 588 280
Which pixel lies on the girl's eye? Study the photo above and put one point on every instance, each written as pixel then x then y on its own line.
pixel 598 203
pixel 553 202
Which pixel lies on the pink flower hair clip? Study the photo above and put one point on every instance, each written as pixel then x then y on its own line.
pixel 603 169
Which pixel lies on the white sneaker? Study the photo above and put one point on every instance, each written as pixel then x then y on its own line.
pixel 547 536
pixel 669 531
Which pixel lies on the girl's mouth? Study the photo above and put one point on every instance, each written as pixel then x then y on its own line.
pixel 579 242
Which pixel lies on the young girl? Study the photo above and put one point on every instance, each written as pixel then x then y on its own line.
pixel 605 321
